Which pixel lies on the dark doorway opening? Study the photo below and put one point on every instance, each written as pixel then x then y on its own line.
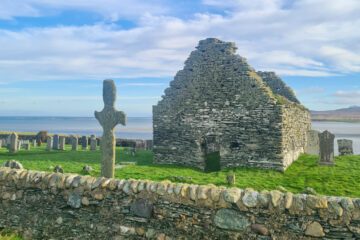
pixel 212 162
pixel 211 150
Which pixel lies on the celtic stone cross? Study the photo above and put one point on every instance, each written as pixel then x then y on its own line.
pixel 108 118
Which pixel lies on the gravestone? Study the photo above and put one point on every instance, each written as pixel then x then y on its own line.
pixel 84 142
pixel 74 143
pixel 326 140
pixel 93 143
pixel 34 143
pixel 149 144
pixel 345 147
pixel 1 143
pixel 49 143
pixel 62 142
pixel 56 142
pixel 108 118
pixel 27 146
pixel 13 143
pixel 312 146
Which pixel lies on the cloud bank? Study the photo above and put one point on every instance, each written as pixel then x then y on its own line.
pixel 305 38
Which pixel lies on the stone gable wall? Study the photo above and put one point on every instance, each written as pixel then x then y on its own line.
pixel 278 86
pixel 218 97
pixel 43 205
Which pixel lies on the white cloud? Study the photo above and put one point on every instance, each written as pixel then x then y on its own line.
pixel 307 38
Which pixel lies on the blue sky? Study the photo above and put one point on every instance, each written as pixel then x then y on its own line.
pixel 55 54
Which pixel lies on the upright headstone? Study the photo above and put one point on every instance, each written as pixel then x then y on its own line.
pixel 84 142
pixel 93 143
pixel 149 144
pixel 14 144
pixel 27 146
pixel 108 118
pixel 34 143
pixel 74 143
pixel 326 148
pixel 1 143
pixel 62 142
pixel 312 146
pixel 56 142
pixel 49 143
pixel 345 147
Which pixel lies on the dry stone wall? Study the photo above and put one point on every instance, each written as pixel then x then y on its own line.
pixel 219 104
pixel 43 205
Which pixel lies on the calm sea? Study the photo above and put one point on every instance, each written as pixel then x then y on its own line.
pixel 140 127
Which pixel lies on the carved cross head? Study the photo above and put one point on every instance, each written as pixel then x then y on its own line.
pixel 109 117
pixel 109 92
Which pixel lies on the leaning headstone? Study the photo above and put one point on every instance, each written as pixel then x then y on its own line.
pixel 326 140
pixel 84 142
pixel 108 118
pixel 62 142
pixel 93 143
pixel 345 147
pixel 13 143
pixel 13 164
pixel 74 143
pixel 56 142
pixel 312 146
pixel 49 143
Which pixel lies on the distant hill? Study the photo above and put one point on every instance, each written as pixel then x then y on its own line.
pixel 349 114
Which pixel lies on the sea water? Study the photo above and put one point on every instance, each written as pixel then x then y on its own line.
pixel 141 127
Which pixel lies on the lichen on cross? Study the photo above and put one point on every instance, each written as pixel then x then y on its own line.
pixel 108 118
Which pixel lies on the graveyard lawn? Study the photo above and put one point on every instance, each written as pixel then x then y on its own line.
pixel 338 180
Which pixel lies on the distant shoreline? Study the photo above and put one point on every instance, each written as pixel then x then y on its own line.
pixel 335 120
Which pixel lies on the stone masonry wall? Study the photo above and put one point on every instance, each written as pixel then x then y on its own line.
pixel 295 128
pixel 278 86
pixel 43 205
pixel 218 103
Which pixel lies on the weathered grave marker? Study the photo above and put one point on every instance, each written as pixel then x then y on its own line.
pixel 62 142
pixel 345 147
pixel 13 143
pixel 93 143
pixel 27 146
pixel 326 148
pixel 312 146
pixel 56 142
pixel 108 118
pixel 49 143
pixel 74 143
pixel 84 142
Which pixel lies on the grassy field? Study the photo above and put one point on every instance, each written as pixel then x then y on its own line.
pixel 341 179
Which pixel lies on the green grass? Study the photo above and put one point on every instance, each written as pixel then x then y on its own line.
pixel 8 235
pixel 340 180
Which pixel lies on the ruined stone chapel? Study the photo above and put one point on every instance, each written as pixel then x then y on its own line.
pixel 219 113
